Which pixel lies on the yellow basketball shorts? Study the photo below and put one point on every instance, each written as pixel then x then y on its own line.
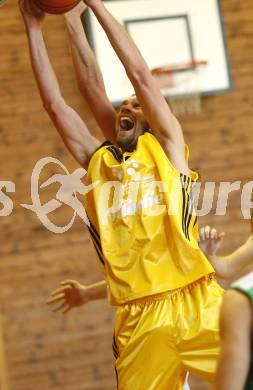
pixel 158 339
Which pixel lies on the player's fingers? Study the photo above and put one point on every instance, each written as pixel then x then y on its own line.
pixel 68 282
pixel 60 290
pixel 202 234
pixel 207 232
pixel 62 306
pixel 67 310
pixel 56 298
pixel 213 233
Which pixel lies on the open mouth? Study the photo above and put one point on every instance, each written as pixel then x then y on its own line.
pixel 126 123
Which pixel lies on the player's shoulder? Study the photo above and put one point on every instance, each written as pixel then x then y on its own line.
pixel 104 145
pixel 106 148
pixel 235 298
pixel 236 307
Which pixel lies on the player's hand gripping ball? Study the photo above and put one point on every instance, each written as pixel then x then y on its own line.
pixel 56 6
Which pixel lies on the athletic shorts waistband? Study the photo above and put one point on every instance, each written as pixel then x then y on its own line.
pixel 168 294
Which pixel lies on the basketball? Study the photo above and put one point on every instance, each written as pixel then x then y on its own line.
pixel 56 6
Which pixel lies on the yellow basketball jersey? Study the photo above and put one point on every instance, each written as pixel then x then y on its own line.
pixel 142 221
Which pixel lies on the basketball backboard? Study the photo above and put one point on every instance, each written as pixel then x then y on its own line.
pixel 167 33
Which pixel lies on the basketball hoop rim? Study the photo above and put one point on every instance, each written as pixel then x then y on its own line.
pixel 171 69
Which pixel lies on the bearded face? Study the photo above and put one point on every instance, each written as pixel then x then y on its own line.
pixel 130 124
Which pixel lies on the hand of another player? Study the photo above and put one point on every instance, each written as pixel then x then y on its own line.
pixel 210 240
pixel 71 294
pixel 32 15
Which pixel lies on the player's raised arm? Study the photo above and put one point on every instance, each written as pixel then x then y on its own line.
pixel 162 122
pixel 230 266
pixel 89 76
pixel 72 129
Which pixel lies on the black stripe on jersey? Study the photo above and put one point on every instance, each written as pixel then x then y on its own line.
pixel 189 215
pixel 184 185
pixel 188 204
pixel 94 230
pixel 95 236
pixel 188 181
pixel 106 143
pixel 96 242
pixel 115 352
pixel 116 154
pixel 183 194
pixel 97 246
pixel 190 211
pixel 195 221
pixel 115 348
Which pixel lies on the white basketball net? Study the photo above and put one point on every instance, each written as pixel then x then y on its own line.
pixel 184 97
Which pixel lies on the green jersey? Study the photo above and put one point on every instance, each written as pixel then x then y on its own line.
pixel 245 285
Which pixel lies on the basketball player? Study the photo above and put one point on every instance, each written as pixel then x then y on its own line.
pixel 235 368
pixel 162 284
pixel 236 314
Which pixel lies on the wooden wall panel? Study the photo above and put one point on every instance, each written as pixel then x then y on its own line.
pixel 50 351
